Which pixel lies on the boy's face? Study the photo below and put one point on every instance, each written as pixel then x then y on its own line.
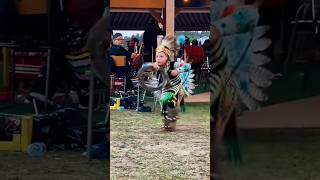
pixel 161 58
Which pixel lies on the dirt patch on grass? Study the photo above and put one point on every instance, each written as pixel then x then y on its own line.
pixel 141 149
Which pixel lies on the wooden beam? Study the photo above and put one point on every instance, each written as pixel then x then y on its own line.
pixel 193 10
pixel 137 4
pixel 170 16
pixel 134 10
pixel 32 7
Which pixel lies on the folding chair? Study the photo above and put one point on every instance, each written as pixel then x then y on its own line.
pixel 304 32
pixel 304 39
pixel 204 73
pixel 119 79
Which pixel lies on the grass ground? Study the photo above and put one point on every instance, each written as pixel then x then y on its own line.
pixel 278 154
pixel 53 166
pixel 140 149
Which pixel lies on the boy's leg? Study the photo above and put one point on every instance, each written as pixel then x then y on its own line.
pixel 168 100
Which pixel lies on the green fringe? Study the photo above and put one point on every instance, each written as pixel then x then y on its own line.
pixel 233 149
pixel 167 98
pixel 183 108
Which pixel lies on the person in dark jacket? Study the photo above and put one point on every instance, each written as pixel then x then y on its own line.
pixel 117 49
pixel 150 40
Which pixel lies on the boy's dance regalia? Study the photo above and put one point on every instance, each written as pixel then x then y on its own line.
pixel 176 81
pixel 236 59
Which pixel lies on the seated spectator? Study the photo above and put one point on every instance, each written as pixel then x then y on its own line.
pixel 117 53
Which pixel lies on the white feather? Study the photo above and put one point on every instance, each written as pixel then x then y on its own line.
pixel 248 101
pixel 260 82
pixel 192 86
pixel 191 75
pixel 259 59
pixel 260 31
pixel 257 93
pixel 259 45
pixel 260 71
pixel 157 94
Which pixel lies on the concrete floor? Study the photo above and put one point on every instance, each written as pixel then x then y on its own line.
pixel 303 113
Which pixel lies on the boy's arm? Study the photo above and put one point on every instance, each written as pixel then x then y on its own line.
pixel 174 73
pixel 155 67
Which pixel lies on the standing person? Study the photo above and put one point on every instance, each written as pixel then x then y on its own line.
pixel 150 40
pixel 136 62
pixel 187 49
pixel 195 57
pixel 133 45
pixel 206 47
pixel 180 41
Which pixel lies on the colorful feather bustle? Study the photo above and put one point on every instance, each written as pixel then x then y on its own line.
pixel 236 61
pixel 186 76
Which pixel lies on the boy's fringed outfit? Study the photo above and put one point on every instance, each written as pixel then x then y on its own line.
pixel 176 80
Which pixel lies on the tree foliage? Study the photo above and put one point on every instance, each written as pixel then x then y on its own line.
pixel 190 34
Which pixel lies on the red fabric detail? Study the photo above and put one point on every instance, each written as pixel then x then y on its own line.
pixel 23 76
pixel 24 62
pixel 136 62
pixel 195 53
pixel 118 82
pixel 229 10
pixel 83 12
pixel 30 60
pixel 5 93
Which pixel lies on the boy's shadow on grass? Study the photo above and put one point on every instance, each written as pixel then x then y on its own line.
pixel 180 129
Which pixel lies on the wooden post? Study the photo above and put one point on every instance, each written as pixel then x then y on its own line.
pixel 170 15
